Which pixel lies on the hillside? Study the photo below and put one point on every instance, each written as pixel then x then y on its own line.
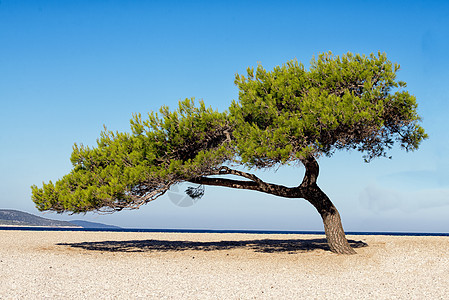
pixel 11 217
pixel 93 225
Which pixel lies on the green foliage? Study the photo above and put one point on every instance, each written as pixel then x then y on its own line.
pixel 342 102
pixel 282 116
pixel 127 170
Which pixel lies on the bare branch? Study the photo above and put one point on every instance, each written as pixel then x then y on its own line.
pixel 268 188
pixel 225 170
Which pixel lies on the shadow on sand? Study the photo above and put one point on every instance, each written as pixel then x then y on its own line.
pixel 265 245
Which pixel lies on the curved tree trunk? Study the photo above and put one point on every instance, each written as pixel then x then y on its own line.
pixel 333 227
pixel 308 190
pixel 335 234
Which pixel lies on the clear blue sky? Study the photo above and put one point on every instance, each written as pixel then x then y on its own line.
pixel 69 67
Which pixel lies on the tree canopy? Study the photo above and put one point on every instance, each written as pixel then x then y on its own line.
pixel 285 116
pixel 127 170
pixel 348 102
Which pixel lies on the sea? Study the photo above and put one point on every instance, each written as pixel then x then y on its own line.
pixel 33 228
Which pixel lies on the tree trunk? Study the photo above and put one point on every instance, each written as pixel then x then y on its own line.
pixel 335 234
pixel 333 228
pixel 308 190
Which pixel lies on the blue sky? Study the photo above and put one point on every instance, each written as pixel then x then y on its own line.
pixel 69 67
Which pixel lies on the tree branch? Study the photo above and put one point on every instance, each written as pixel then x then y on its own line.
pixel 255 183
pixel 228 171
pixel 312 171
pixel 236 184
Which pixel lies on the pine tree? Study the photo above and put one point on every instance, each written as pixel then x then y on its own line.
pixel 285 116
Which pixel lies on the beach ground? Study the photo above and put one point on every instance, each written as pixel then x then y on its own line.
pixel 113 265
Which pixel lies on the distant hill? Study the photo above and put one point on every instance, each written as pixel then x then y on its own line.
pixel 19 218
pixel 93 225
pixel 10 217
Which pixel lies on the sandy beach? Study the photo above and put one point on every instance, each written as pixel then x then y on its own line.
pixel 113 265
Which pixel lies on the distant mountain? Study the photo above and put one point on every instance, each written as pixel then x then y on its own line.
pixel 11 217
pixel 93 225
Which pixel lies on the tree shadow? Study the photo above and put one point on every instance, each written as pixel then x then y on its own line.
pixel 265 245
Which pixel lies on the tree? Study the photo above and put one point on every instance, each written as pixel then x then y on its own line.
pixel 287 116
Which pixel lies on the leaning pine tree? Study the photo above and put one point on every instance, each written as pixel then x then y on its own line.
pixel 286 116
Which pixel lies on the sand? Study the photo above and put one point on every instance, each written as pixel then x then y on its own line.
pixel 116 265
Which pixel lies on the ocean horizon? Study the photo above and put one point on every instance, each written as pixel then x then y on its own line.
pixel 392 233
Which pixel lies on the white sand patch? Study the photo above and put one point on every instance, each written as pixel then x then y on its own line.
pixel 105 265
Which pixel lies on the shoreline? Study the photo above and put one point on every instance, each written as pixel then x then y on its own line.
pixel 7 227
pixel 236 231
pixel 105 264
